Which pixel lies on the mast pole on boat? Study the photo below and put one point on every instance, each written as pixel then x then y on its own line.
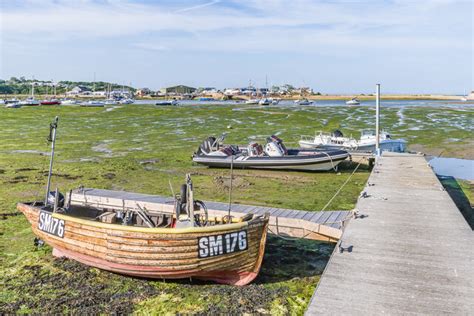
pixel 377 119
pixel 230 187
pixel 52 139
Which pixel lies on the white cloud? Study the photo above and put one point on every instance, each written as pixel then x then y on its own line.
pixel 335 30
pixel 199 6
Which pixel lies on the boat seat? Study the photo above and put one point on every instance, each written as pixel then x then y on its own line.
pixel 107 217
pixel 159 220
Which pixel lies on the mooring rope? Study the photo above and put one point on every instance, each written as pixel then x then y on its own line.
pixel 342 186
pixel 330 158
pixel 327 204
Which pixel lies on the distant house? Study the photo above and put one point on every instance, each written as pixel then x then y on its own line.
pixel 99 93
pixel 230 91
pixel 121 93
pixel 78 90
pixel 207 90
pixel 181 89
pixel 143 92
pixel 304 90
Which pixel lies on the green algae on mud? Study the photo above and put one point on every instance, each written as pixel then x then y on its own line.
pixel 140 148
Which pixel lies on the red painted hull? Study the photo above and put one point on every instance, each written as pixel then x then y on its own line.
pixel 223 277
pixel 50 103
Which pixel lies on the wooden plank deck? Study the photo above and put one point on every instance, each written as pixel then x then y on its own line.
pixel 412 253
pixel 292 223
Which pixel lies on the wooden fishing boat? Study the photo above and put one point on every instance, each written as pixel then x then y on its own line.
pixel 229 253
pixel 170 244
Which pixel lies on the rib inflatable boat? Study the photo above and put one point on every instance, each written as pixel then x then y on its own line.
pixel 274 155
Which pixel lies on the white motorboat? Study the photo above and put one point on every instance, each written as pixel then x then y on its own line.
pixel 252 101
pixel 463 99
pixel 366 143
pixel 111 102
pixel 167 102
pixel 303 102
pixel 353 101
pixel 126 101
pixel 13 100
pixel 13 105
pixel 93 103
pixel 31 101
pixel 275 101
pixel 273 155
pixel 69 102
pixel 265 101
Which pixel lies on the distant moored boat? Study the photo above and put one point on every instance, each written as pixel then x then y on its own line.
pixel 93 103
pixel 303 102
pixel 353 101
pixel 167 102
pixel 50 102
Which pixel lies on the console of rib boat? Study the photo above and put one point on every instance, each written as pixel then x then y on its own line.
pixel 133 241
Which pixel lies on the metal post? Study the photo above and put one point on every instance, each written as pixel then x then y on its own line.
pixel 230 187
pixel 377 120
pixel 53 127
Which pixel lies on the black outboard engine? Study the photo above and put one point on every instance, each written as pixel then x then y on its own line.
pixel 52 198
pixel 206 147
pixel 337 133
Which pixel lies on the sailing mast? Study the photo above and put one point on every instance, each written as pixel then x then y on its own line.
pixel 51 138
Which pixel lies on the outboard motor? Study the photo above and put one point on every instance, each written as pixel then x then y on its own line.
pixel 274 150
pixel 277 143
pixel 337 133
pixel 275 147
pixel 207 146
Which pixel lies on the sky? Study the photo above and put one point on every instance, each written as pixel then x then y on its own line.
pixel 331 46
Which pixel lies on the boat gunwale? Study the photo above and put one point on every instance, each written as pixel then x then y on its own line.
pixel 154 230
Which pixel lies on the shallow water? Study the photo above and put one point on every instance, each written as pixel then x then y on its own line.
pixel 454 167
pixel 371 103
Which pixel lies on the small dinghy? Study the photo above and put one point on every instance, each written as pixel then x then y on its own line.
pixel 303 102
pixel 93 103
pixel 16 105
pixel 353 101
pixel 336 140
pixel 180 242
pixel 167 102
pixel 273 155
